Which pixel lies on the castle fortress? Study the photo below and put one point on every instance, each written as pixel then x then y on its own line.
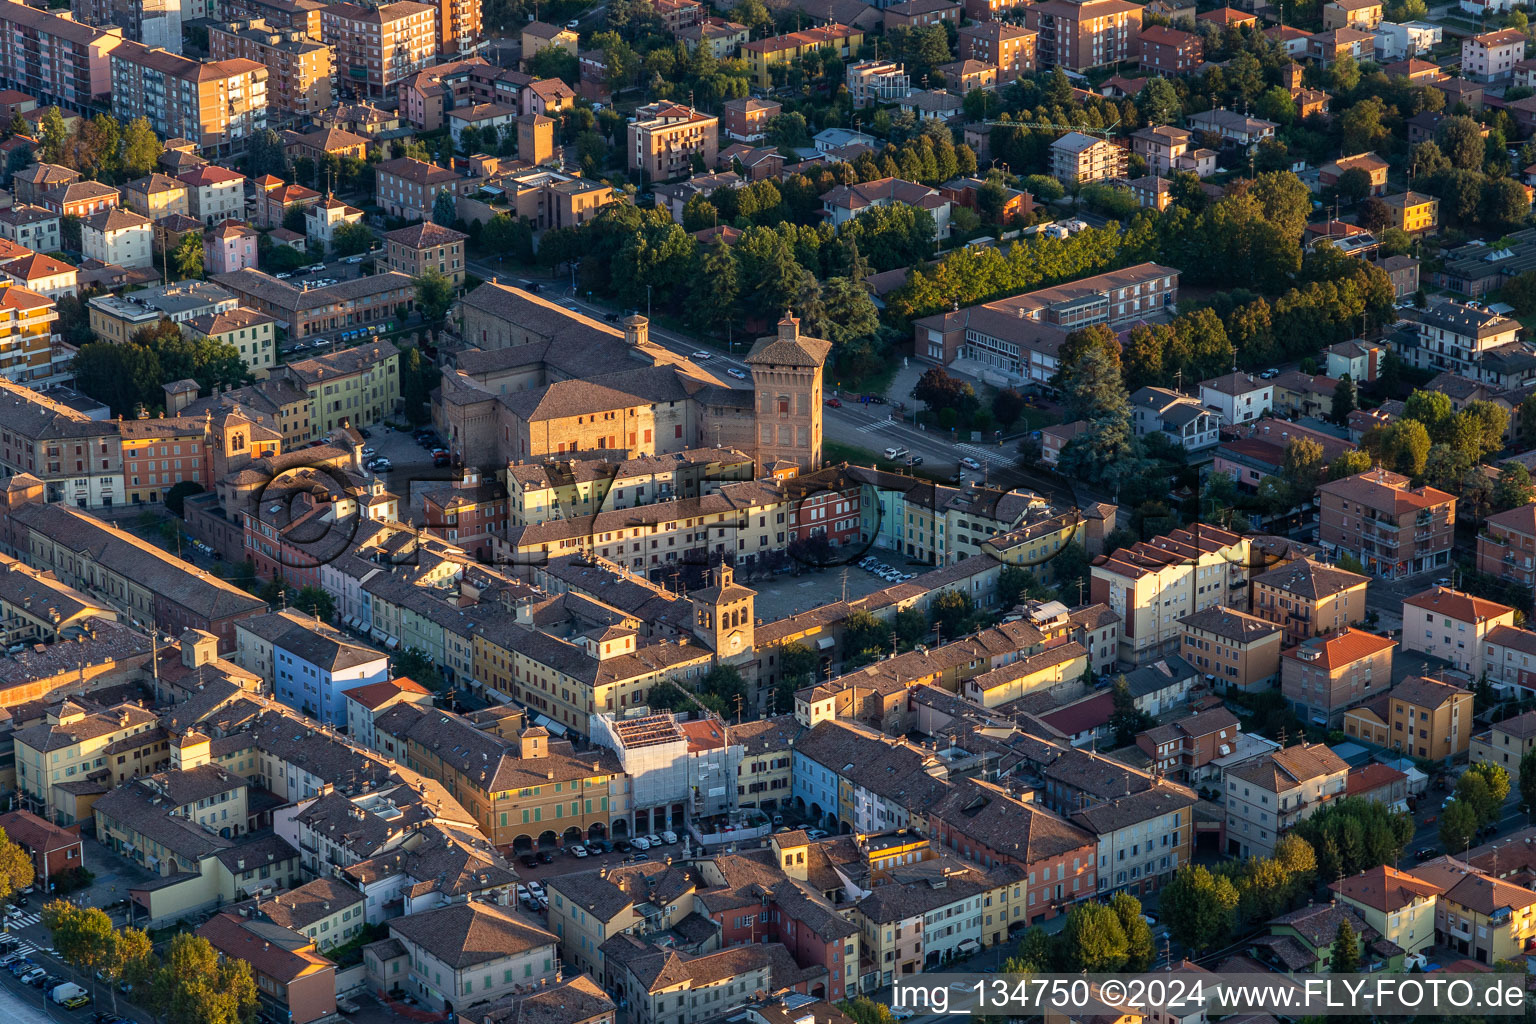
pixel 538 381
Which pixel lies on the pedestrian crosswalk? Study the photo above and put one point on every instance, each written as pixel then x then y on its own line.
pixel 17 921
pixel 875 425
pixel 989 455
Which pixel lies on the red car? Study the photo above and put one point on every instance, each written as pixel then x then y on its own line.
pixel 835 403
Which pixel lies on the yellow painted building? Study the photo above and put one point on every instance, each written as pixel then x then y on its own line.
pixel 763 55
pixel 522 790
pixel 1413 212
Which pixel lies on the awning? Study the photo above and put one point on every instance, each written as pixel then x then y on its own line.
pixel 826 643
pixel 392 643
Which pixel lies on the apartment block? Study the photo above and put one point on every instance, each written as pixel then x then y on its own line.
pixel 304 312
pixel 1393 529
pixel 1506 546
pixel 407 187
pixel 1010 47
pixel 1452 626
pixel 1457 337
pixel 1327 675
pixel 1271 793
pixel 1307 598
pixel 1020 337
pixel 1492 56
pixel 428 245
pixel 1078 159
pixel 55 59
pixel 1419 717
pixel 877 81
pixel 299 68
pixel 665 139
pixel 377 48
pixel 1079 36
pixel 746 120
pixel 1185 750
pixel 459 27
pixel 1153 585
pixel 151 22
pixel 1232 648
pixel 552 199
pixel 218 105
pixel 1169 51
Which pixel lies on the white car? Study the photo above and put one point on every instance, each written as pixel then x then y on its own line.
pixel 699 356
pixel 640 843
pixel 816 833
pixel 354 260
pixel 578 852
pixel 970 463
pixel 536 890
pixel 738 374
pixel 669 837
pixel 369 451
pixel 283 276
pixel 654 839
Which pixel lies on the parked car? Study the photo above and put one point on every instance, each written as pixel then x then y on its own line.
pixel 546 857
pixel 622 845
pixel 654 839
pixel 914 460
pixel 669 837
pixel 369 451
pixel 640 843
pixel 441 459
pixel 528 860
pixel 579 851
pixel 896 451
pixel 816 833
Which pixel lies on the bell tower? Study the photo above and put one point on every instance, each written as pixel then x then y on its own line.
pixel 787 373
pixel 723 615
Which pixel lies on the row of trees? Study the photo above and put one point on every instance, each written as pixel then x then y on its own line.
pixel 1203 907
pixel 101 147
pixel 189 984
pixel 1480 794
pixel 131 376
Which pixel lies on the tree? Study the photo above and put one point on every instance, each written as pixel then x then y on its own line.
pixel 1461 140
pixel 1350 463
pixel 444 209
pixel 176 497
pixel 1458 824
pixel 434 293
pixel 1353 835
pixel 53 137
pixel 414 664
pixel 141 148
pixel 1483 787
pixel 1343 399
pixel 265 154
pixel 951 613
pixel 1528 782
pixel 1354 185
pixel 864 638
pixel 1374 215
pixel 15 867
pixel 129 959
pixel 1198 907
pixel 1093 940
pixel 848 312
pixel 797 667
pixel 1502 203
pixel 1007 407
pixel 351 239
pixel 187 258
pixel 1126 719
pixel 1139 948
pixel 83 935
pixel 194 985
pixel 1345 956
pixel 862 1009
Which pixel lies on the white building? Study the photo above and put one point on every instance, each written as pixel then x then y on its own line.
pixel 119 237
pixel 1448 624
pixel 1181 419
pixel 1237 397
pixel 510 953
pixel 366 703
pixel 1400 40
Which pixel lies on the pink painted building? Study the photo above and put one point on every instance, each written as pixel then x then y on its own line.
pixel 229 247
